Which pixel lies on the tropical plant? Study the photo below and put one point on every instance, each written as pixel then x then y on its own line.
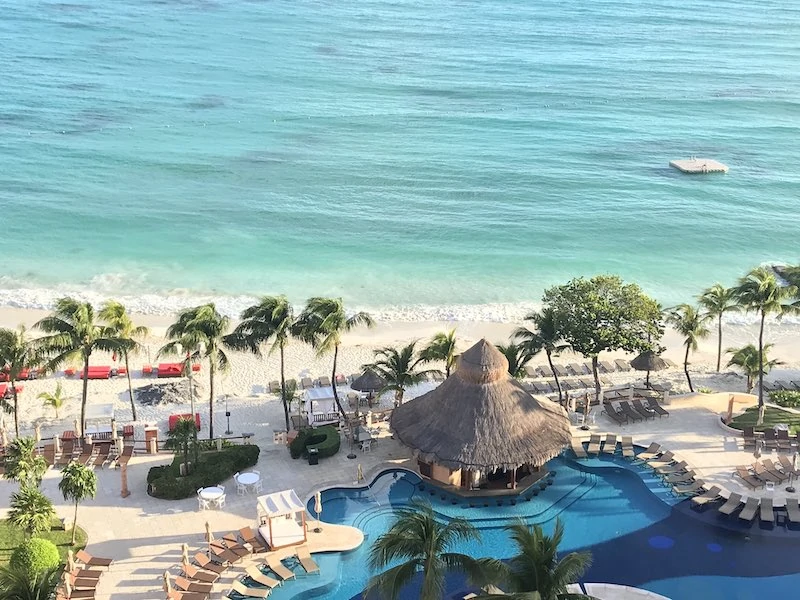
pixel 271 319
pixel 54 399
pixel 17 353
pixel 442 347
pixel 517 355
pixel 35 555
pixel 119 321
pixel 399 368
pixel 747 359
pixel 322 324
pixel 179 438
pixel 23 464
pixel 545 336
pixel 17 584
pixel 691 324
pixel 604 314
pixel 74 333
pixel 78 483
pixel 760 291
pixel 420 543
pixel 536 571
pixel 717 300
pixel 201 332
pixel 31 510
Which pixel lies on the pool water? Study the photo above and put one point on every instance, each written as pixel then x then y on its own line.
pixel 639 534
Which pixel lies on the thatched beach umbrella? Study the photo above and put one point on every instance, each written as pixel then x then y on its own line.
pixel 368 381
pixel 209 534
pixel 481 418
pixel 649 361
pixel 185 553
pixel 37 432
pixel 318 509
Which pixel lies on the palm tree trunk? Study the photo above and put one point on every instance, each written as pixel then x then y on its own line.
pixel 130 387
pixel 333 380
pixel 85 390
pixel 761 361
pixel 16 408
pixel 686 367
pixel 596 380
pixel 74 522
pixel 191 405
pixel 555 375
pixel 719 340
pixel 283 392
pixel 210 398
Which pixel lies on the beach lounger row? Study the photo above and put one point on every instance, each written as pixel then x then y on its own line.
pixel 597 445
pixel 625 412
pixel 771 386
pixel 575 369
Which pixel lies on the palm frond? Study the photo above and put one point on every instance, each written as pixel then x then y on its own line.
pixel 390 583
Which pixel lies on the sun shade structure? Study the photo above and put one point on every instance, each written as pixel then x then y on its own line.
pixel 480 428
pixel 368 381
pixel 282 519
pixel 649 361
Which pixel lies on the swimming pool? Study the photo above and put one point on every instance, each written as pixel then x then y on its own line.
pixel 638 534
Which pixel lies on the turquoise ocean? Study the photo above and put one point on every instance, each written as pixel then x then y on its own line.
pixel 418 158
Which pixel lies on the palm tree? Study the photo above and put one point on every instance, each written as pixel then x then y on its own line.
pixel 55 400
pixel 442 347
pixel 271 319
pixel 31 510
pixel 419 543
pixel 78 483
pixel 119 321
pixel 760 291
pixel 746 358
pixel 201 332
pixel 536 571
pixel 74 333
pixel 545 336
pixel 399 369
pixel 518 355
pixel 181 435
pixel 691 324
pixel 717 300
pixel 17 583
pixel 322 324
pixel 23 464
pixel 17 353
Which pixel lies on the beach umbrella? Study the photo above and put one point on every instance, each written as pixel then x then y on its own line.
pixel 360 474
pixel 368 381
pixel 209 534
pixel 318 509
pixel 649 361
pixel 185 553
pixel 167 583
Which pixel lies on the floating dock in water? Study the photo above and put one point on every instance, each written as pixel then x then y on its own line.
pixel 699 165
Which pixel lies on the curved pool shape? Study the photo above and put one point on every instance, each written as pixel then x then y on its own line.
pixel 638 533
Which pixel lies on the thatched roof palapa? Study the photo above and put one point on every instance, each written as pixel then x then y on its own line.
pixel 368 381
pixel 649 361
pixel 482 418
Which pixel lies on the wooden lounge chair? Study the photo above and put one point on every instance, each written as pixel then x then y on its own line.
pixel 767 513
pixel 666 458
pixel 605 366
pixel 695 487
pixel 627 447
pixel 73 594
pixel 679 467
pixel 254 539
pixel 774 470
pixel 277 567
pixel 680 477
pixel 632 415
pixel 231 542
pixel 560 371
pixel 768 386
pixel 622 365
pixel 653 404
pixel 92 561
pixel 192 572
pixel 647 413
pixel 770 439
pixel 747 478
pixel 530 371
pixel 274 387
pixel 204 562
pixel 749 435
pixel 324 381
pixel 650 452
pixel 784 385
pixel 124 458
pixel 784 443
pixel 765 474
pixel 793 510
pixel 219 551
pixel 594 444
pixel 577 448
pixel 615 415
pixel 254 573
pixel 306 383
pixel 544 371
pixel 304 556
pixel 86 573
pixel 81 583
pixel 541 387
pixel 576 369
pixel 249 592
pixel 786 464
pixel 193 586
pixel 610 444
pixel 733 502
pixel 749 511
pixel 707 497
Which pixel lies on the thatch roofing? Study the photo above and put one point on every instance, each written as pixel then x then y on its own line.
pixel 481 418
pixel 368 381
pixel 649 361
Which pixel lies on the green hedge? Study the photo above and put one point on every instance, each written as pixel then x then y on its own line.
pixel 325 439
pixel 785 398
pixel 34 556
pixel 214 467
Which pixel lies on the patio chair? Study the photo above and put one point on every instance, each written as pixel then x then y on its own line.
pixel 341 380
pixel 577 448
pixel 594 444
pixel 653 404
pixel 276 566
pixel 627 447
pixel 747 478
pixel 750 508
pixel 192 572
pixel 650 452
pixel 253 538
pixel 231 542
pixel 695 487
pixel 241 488
pixel 254 573
pixel 221 553
pixel 530 371
pixel 204 562
pixel 679 467
pixel 92 561
pixel 249 592
pixel 784 443
pixel 623 366
pixel 793 510
pixel 610 444
pixel 769 386
pixel 202 503
pixel 647 413
pixel 324 381
pixel 765 474
pixel 784 385
pixel 770 438
pixel 630 413
pixel 767 511
pixel 560 371
pixel 528 386
pixel 193 586
pixel 542 387
pixel 81 583
pixel 734 501
pixel 544 371
pixel 304 556
pixel 219 502
pixel 617 416
pixel 606 367
pixel 775 470
pixel 786 465
pixel 275 387
pixel 306 383
pixel 576 369
pixel 707 497
pixel 749 435
pixel 683 477
pixel 666 458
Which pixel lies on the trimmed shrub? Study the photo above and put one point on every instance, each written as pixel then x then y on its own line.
pixel 325 439
pixel 35 556
pixel 785 398
pixel 297 447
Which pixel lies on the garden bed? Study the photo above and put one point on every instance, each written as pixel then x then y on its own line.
pixel 772 416
pixel 11 537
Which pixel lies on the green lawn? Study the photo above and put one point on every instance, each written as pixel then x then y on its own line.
pixel 772 417
pixel 10 537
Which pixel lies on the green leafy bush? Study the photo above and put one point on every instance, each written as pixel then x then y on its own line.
pixel 785 398
pixel 298 445
pixel 325 439
pixel 34 556
pixel 213 468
